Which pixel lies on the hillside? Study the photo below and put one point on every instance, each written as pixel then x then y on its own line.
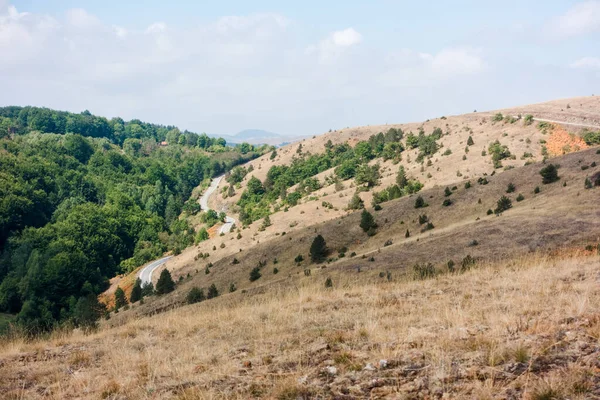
pixel 459 259
pixel 527 328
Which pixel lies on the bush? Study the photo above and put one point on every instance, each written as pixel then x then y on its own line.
pixel 489 212
pixel 420 202
pixel 299 258
pixel 255 274
pixel 195 295
pixel 468 185
pixel 467 263
pixel 447 202
pixel 503 204
pixel 511 188
pixel 328 283
pixel 528 120
pixel 275 271
pixel 165 283
pixel 423 271
pixel 498 117
pixel 423 219
pixel 520 197
pixel 470 141
pixel 549 174
pixel 232 287
pixel 212 292
pixel 536 190
pixel 447 191
pixel 356 203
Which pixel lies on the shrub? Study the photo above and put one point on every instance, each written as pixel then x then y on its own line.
pixel 212 292
pixel 536 190
pixel 275 271
pixel 587 184
pixel 447 202
pixel 428 227
pixel 528 120
pixel 498 117
pixel 520 197
pixel 299 258
pixel 420 202
pixel 195 295
pixel 356 203
pixel 255 274
pixel 388 242
pixel 318 249
pixel 511 188
pixel 165 283
pixel 423 219
pixel 423 271
pixel 503 204
pixel 549 174
pixel 407 234
pixel 468 185
pixel 447 191
pixel 467 263
pixel 328 283
pixel 489 212
pixel 470 141
pixel 232 287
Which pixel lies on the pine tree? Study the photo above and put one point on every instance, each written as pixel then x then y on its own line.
pixel 401 179
pixel 420 202
pixel 470 141
pixel 318 249
pixel 212 292
pixel 195 295
pixel 549 174
pixel 367 221
pixel 136 292
pixel 407 234
pixel 147 289
pixel 120 299
pixel 165 283
pixel 328 283
pixel 447 191
pixel 88 311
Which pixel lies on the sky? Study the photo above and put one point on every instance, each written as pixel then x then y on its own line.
pixel 295 68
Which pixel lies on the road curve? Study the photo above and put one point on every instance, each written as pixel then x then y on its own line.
pixel 229 221
pixel 567 123
pixel 145 273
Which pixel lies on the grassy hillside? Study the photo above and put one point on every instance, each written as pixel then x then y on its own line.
pixel 527 328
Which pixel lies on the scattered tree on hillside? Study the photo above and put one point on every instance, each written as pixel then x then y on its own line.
pixel 420 202
pixel 356 203
pixel 88 311
pixel 368 175
pixel 195 295
pixel 136 292
pixel 120 299
pixel 318 249
pixel 165 283
pixel 470 141
pixel 147 289
pixel 401 179
pixel 367 222
pixel 212 292
pixel 503 204
pixel 549 174
pixel 255 274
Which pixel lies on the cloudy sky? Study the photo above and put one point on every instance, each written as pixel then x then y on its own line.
pixel 299 68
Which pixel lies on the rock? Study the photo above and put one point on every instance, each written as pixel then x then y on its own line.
pixel 383 364
pixel 369 367
pixel 331 370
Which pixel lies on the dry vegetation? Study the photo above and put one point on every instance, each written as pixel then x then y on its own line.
pixel 528 328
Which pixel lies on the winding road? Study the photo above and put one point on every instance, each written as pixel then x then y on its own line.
pixel 145 273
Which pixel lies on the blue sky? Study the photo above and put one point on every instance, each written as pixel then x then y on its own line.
pixel 296 69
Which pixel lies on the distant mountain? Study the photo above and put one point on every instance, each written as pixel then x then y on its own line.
pixel 258 136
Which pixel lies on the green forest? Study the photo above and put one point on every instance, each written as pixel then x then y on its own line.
pixel 84 198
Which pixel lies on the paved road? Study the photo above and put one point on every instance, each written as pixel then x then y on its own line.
pixel 145 273
pixel 567 123
pixel 229 221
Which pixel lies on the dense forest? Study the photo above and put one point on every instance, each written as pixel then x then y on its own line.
pixel 83 198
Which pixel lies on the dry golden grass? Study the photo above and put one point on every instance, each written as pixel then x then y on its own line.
pixel 516 329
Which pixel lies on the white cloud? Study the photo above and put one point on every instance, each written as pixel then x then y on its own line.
pixel 346 38
pixel 580 19
pixel 81 19
pixel 335 45
pixel 587 62
pixel 157 27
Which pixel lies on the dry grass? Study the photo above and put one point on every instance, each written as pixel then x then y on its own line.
pixel 526 328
